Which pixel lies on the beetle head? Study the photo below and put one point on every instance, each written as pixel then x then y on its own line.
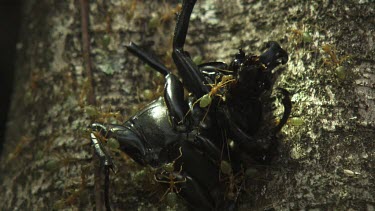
pixel 274 55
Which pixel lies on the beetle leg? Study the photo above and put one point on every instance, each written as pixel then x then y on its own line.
pixel 174 99
pixel 202 186
pixel 287 110
pixel 192 78
pixel 106 189
pixel 195 194
pixel 147 58
pixel 208 147
pixel 105 159
pixel 183 24
pixel 129 141
pixel 266 153
pixel 173 90
pixel 214 68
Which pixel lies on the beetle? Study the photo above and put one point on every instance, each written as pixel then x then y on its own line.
pixel 173 126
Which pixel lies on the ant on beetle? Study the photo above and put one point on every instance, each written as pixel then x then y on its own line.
pixel 232 179
pixel 206 99
pixel 216 88
pixel 172 178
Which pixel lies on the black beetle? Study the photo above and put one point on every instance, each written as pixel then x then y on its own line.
pixel 191 134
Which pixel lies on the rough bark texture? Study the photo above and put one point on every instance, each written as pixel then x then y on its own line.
pixel 327 148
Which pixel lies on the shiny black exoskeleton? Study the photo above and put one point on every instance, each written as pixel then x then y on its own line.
pixel 192 137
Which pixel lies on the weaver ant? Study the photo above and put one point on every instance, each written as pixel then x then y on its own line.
pixel 233 179
pixel 332 59
pixel 171 177
pixel 206 99
pixel 218 89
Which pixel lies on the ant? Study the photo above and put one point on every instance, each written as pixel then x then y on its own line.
pixel 299 36
pixel 74 197
pixel 103 116
pixel 170 13
pixel 233 181
pixel 22 144
pixel 171 177
pixel 131 9
pixel 332 59
pixel 206 99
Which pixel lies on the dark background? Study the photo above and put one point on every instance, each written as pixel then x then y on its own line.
pixel 10 16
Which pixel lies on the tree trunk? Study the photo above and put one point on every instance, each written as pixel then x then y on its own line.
pixel 327 153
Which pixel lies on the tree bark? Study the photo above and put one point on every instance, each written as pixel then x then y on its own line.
pixel 327 153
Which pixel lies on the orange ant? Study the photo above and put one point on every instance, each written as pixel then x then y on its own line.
pixel 103 116
pixel 301 36
pixel 131 10
pixel 170 13
pixel 332 59
pixel 205 100
pixel 73 198
pixel 23 143
pixel 233 182
pixel 169 176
